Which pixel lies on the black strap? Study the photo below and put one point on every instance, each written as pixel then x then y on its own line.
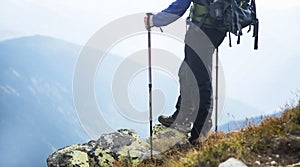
pixel 239 28
pixel 256 25
pixel 239 39
pixel 229 36
pixel 249 29
pixel 255 33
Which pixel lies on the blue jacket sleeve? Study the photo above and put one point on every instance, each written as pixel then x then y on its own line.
pixel 172 13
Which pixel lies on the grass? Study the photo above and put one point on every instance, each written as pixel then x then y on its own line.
pixel 275 139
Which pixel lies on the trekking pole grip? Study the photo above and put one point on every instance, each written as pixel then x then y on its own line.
pixel 148 21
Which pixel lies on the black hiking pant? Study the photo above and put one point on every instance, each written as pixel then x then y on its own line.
pixel 195 77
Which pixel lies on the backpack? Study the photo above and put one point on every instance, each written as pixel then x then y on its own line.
pixel 228 15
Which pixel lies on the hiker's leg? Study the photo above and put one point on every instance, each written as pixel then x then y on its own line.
pixel 189 101
pixel 198 55
pixel 203 73
pixel 174 115
pixel 203 76
pixel 204 112
pixel 190 72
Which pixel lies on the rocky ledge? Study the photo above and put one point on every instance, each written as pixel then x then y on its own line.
pixel 125 144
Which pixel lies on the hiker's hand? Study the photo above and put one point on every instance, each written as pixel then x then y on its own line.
pixel 150 21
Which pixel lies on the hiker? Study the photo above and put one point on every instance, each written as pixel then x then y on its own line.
pixel 194 104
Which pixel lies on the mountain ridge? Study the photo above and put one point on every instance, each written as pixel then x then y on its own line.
pixel 37 111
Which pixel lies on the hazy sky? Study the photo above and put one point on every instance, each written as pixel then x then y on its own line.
pixel 72 20
pixel 77 20
pixel 263 79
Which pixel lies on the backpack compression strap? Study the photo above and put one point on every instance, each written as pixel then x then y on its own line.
pixel 256 25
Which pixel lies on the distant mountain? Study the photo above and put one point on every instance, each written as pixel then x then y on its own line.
pixel 235 109
pixel 7 34
pixel 237 125
pixel 37 114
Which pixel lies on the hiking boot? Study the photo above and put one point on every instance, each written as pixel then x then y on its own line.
pixel 166 120
pixel 169 121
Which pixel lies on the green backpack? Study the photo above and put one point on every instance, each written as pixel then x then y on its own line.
pixel 228 15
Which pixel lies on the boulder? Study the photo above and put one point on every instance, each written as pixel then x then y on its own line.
pixel 123 144
pixel 70 155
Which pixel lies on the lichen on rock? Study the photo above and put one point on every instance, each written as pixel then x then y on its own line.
pixel 78 158
pixel 117 140
pixel 101 157
pixel 69 156
pixel 125 144
pixel 165 138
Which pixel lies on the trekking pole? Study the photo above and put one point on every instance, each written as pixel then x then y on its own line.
pixel 217 89
pixel 150 81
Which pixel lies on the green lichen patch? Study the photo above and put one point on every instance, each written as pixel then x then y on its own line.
pixel 78 158
pixel 101 157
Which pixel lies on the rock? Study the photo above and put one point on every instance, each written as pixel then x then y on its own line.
pixel 118 140
pixel 123 144
pixel 232 162
pixel 257 163
pixel 70 155
pixel 273 163
pixel 101 157
pixel 165 138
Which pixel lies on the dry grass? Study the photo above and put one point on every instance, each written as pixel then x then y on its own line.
pixel 256 142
